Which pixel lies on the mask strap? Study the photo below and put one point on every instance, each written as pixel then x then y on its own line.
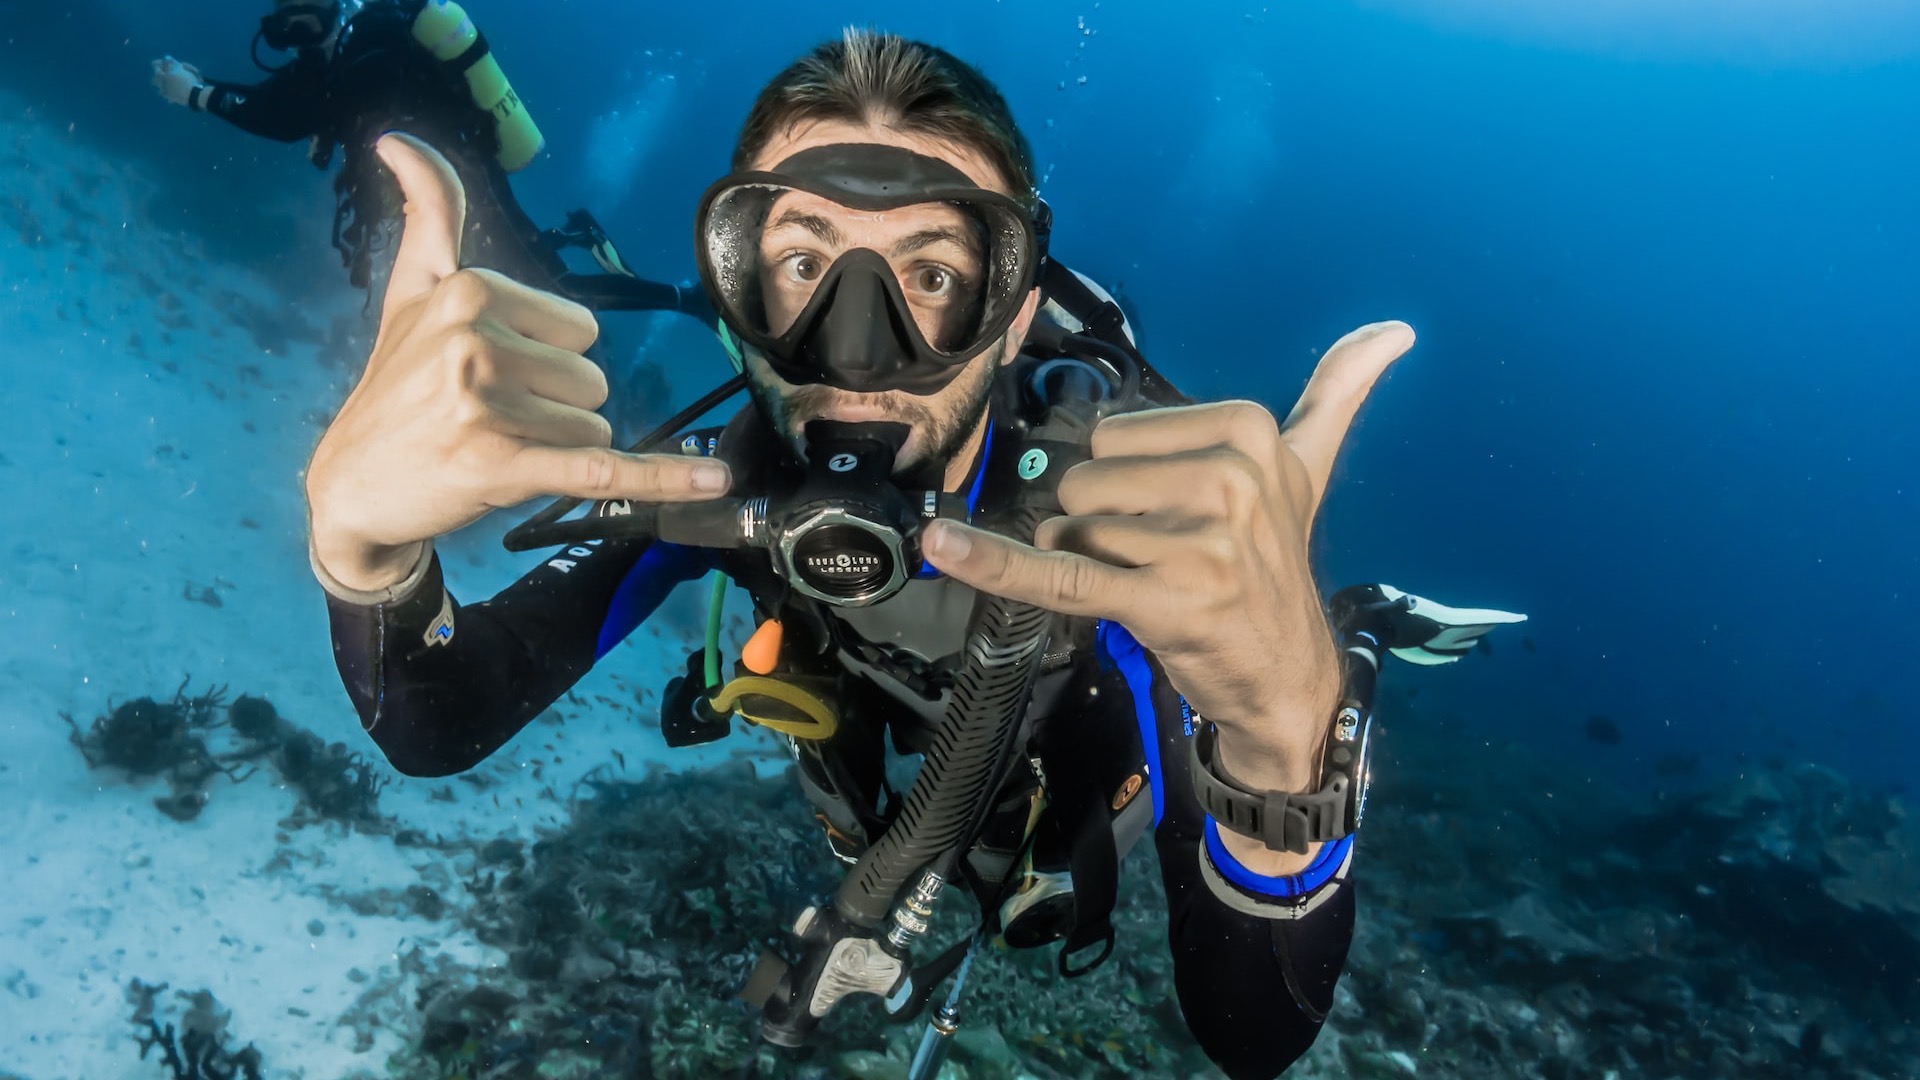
pixel 732 345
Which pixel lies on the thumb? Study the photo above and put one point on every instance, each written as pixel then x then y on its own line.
pixel 436 212
pixel 1339 386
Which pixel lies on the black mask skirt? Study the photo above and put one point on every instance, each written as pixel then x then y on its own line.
pixel 865 267
pixel 296 26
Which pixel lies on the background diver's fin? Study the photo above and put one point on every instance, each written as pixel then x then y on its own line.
pixel 1413 628
pixel 582 230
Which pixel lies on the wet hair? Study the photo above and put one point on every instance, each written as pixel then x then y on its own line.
pixel 909 86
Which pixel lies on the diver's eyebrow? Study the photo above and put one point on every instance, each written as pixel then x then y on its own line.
pixel 813 223
pixel 913 242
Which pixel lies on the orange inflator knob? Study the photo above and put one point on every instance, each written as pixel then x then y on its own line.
pixel 761 654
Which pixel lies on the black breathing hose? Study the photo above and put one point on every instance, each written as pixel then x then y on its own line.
pixel 963 766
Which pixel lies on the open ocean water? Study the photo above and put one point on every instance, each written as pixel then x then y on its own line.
pixel 1661 257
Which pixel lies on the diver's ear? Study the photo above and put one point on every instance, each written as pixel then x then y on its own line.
pixel 1017 332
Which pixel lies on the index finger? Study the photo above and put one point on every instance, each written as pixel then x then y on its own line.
pixel 1061 581
pixel 1341 381
pixel 596 472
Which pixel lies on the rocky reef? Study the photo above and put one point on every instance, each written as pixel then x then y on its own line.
pixel 1761 928
pixel 1516 920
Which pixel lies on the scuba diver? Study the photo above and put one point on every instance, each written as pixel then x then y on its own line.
pixel 360 69
pixel 976 527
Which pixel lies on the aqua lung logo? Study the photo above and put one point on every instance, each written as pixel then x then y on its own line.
pixel 842 564
pixel 441 630
pixel 571 557
pixel 842 462
pixel 1033 463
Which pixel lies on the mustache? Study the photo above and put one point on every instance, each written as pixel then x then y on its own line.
pixel 814 399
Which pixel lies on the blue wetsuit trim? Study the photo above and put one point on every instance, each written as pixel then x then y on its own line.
pixel 1119 645
pixel 1317 873
pixel 657 572
pixel 973 493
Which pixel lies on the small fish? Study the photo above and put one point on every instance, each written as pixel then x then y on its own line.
pixel 1603 730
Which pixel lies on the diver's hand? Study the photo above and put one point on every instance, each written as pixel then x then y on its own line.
pixel 176 81
pixel 476 397
pixel 1189 527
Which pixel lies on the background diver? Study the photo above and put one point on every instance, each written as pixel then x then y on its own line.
pixel 360 69
pixel 972 520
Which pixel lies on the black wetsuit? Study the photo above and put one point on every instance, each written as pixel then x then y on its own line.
pixel 439 686
pixel 376 78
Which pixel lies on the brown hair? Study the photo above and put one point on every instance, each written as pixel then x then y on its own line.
pixel 910 86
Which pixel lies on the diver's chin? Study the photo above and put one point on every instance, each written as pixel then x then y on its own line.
pixel 855 412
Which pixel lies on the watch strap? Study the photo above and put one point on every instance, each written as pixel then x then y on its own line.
pixel 1283 821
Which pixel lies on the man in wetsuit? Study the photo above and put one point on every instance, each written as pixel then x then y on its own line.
pixel 1177 566
pixel 353 76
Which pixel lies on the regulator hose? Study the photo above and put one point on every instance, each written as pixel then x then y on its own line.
pixel 962 769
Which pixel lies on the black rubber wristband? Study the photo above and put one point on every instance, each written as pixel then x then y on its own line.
pixel 1283 821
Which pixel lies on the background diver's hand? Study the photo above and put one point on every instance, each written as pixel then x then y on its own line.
pixel 1189 526
pixel 476 397
pixel 174 80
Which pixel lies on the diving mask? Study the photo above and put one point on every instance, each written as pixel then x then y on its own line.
pixel 865 267
pixel 296 26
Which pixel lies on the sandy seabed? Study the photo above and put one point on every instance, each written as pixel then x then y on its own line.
pixel 158 409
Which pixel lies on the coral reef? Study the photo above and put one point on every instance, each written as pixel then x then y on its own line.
pixel 334 783
pixel 1765 927
pixel 1879 869
pixel 1518 923
pixel 1726 934
pixel 195 1048
pixel 629 932
pixel 146 738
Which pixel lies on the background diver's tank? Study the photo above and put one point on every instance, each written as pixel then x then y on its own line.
pixel 443 27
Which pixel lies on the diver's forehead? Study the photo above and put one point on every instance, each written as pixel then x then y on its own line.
pixel 812 133
pixel 832 221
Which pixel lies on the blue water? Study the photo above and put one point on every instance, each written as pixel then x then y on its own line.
pixel 1660 257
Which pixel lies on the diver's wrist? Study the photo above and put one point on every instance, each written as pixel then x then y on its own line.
pixel 1277 752
pixel 367 574
pixel 1255 857
pixel 1280 762
pixel 1279 748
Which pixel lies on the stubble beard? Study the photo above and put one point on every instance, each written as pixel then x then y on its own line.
pixel 939 438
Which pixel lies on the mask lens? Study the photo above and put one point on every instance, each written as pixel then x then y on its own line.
pixel 294 26
pixel 958 265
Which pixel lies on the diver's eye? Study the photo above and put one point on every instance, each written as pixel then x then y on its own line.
pixel 803 267
pixel 934 281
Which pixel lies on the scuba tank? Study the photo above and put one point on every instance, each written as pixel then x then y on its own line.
pixel 444 29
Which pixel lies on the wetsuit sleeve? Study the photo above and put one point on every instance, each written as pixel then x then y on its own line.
pixel 440 685
pixel 288 106
pixel 1255 959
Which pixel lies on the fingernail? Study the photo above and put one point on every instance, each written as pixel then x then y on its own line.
pixel 947 542
pixel 709 478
